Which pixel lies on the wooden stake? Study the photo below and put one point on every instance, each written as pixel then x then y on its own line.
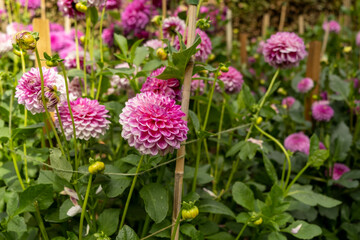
pixel 163 9
pixel 3 23
pixel 301 25
pixel 243 44
pixel 180 162
pixel 313 69
pixel 325 40
pixel 229 32
pixel 43 16
pixel 347 19
pixel 282 17
pixel 67 24
pixel 265 25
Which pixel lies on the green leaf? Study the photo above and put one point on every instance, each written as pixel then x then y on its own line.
pixel 126 233
pixel 116 186
pixel 317 158
pixel 75 73
pixel 341 141
pixel 156 201
pixel 153 64
pixel 243 196
pixel 42 193
pixel 339 86
pixel 211 206
pixel 270 169
pixel 248 151
pixel 58 161
pixel 24 132
pixel 235 149
pixel 17 224
pixel 305 195
pixel 122 43
pixel 93 12
pixel 4 134
pixel 140 55
pixel 314 144
pixel 126 71
pixel 276 236
pixel 108 221
pixel 247 97
pixel 194 120
pixel 306 231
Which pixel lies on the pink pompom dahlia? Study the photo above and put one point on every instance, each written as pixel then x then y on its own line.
pixel 68 8
pixel 321 111
pixel 338 170
pixel 153 124
pixel 31 4
pixel 232 80
pixel 70 61
pixel 5 43
pixel 169 87
pixel 135 17
pixel 55 27
pixel 95 3
pixel 305 85
pixel 284 50
pixel 332 25
pixel 89 116
pixel 171 25
pixel 297 142
pixel 28 90
pixel 288 102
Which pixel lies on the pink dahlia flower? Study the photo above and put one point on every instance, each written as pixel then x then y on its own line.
pixel 305 85
pixel 112 4
pixel 95 3
pixel 117 83
pixel 55 27
pixel 260 47
pixel 232 80
pixel 338 170
pixel 284 50
pixel 70 61
pixel 153 124
pixel 297 142
pixel 332 25
pixel 204 48
pixel 68 8
pixel 288 102
pixel 60 41
pixel 75 88
pixel 5 43
pixel 153 43
pixel 15 27
pixel 135 17
pixel 89 116
pixel 28 90
pixel 108 35
pixel 322 146
pixel 171 25
pixel 197 85
pixel 169 87
pixel 32 4
pixel 321 111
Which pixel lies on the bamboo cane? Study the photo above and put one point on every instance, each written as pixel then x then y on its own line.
pixel 282 17
pixel 325 41
pixel 265 25
pixel 347 19
pixel 164 9
pixel 243 44
pixel 179 170
pixel 67 24
pixel 229 32
pixel 301 25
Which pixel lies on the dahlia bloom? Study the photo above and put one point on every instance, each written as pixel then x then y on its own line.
pixel 284 50
pixel 197 85
pixel 108 35
pixel 75 88
pixel 204 48
pixel 70 61
pixel 153 124
pixel 89 116
pixel 297 142
pixel 321 111
pixel 322 146
pixel 338 170
pixel 117 83
pixel 60 41
pixel 95 3
pixel 260 47
pixel 169 87
pixel 5 43
pixel 32 4
pixel 232 80
pixel 135 17
pixel 28 90
pixel 68 8
pixel 305 85
pixel 288 102
pixel 112 4
pixel 15 27
pixel 55 27
pixel 171 25
pixel 332 25
pixel 358 39
pixel 153 43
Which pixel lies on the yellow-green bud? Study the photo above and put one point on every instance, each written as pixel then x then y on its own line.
pixel 211 57
pixel 161 54
pixel 224 69
pixel 81 7
pixel 258 222
pixel 259 120
pixel 282 91
pixel 157 20
pixel 25 40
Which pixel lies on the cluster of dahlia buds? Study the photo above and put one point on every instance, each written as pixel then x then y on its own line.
pixel 256 218
pixel 189 210
pixel 26 40
pixel 81 7
pixel 203 23
pixel 101 236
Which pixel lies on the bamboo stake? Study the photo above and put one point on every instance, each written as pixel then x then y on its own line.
pixel 243 52
pixel 301 25
pixel 163 9
pixel 67 24
pixel 229 32
pixel 179 170
pixel 265 25
pixel 282 17
pixel 43 16
pixel 313 69
pixel 325 41
pixel 3 23
pixel 347 19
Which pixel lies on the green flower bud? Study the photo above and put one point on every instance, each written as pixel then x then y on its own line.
pixel 25 40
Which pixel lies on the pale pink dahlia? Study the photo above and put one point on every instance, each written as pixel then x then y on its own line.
pixel 332 25
pixel 197 86
pixel 169 87
pixel 15 27
pixel 321 111
pixel 75 88
pixel 5 43
pixel 232 80
pixel 338 170
pixel 297 142
pixel 135 17
pixel 95 3
pixel 288 102
pixel 108 35
pixel 89 116
pixel 305 85
pixel 171 25
pixel 358 39
pixel 204 48
pixel 32 4
pixel 28 90
pixel 68 8
pixel 153 124
pixel 153 43
pixel 117 83
pixel 284 50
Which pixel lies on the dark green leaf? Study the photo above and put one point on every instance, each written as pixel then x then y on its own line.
pixel 339 86
pixel 317 158
pixel 194 120
pixel 212 206
pixel 108 221
pixel 126 233
pixel 243 196
pixel 42 193
pixel 306 230
pixel 58 162
pixel 314 144
pixel 17 224
pixel 122 43
pixel 93 12
pixel 270 169
pixel 235 149
pixel 156 201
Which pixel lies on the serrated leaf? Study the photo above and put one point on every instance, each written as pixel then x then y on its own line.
pixel 339 86
pixel 314 144
pixel 341 141
pixel 270 169
pixel 317 158
pixel 235 149
pixel 243 196
pixel 58 161
pixel 194 120
pixel 17 224
pixel 156 201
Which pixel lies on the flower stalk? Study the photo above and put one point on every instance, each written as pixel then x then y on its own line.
pixel 83 210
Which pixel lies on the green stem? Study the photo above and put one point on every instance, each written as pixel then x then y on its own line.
pixel 62 129
pixel 40 221
pixel 87 35
pixel 357 128
pixel 101 29
pixel 99 86
pixel 296 178
pixel 242 231
pixel 77 45
pixel 197 164
pixel 8 11
pixel 130 192
pixel 173 234
pixel 282 149
pixel 83 210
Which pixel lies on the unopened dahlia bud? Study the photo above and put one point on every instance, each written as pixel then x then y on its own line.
pixel 161 54
pixel 157 20
pixel 25 40
pixel 81 7
pixel 203 23
pixel 51 96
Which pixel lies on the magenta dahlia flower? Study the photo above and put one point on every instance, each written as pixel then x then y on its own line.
pixel 197 85
pixel 297 142
pixel 169 87
pixel 135 17
pixel 171 25
pixel 95 3
pixel 332 25
pixel 322 146
pixel 5 43
pixel 153 124
pixel 288 102
pixel 305 85
pixel 260 47
pixel 108 35
pixel 232 80
pixel 153 43
pixel 284 50
pixel 338 170
pixel 55 27
pixel 321 111
pixel 204 48
pixel 112 4
pixel 89 116
pixel 28 90
pixel 68 8
pixel 32 4
pixel 60 41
